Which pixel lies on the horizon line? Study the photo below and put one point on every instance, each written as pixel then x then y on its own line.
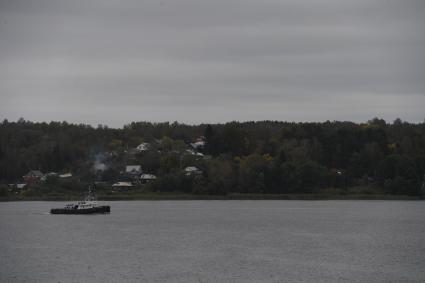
pixel 22 119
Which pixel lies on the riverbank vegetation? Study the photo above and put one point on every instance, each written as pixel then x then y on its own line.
pixel 266 159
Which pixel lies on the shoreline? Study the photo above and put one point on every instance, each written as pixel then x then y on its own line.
pixel 176 196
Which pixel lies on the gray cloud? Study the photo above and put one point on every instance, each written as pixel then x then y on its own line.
pixel 212 61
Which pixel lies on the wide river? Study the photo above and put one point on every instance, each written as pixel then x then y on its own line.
pixel 215 241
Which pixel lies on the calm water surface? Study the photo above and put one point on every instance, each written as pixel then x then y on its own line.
pixel 216 241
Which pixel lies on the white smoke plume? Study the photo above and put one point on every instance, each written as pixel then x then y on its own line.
pixel 98 162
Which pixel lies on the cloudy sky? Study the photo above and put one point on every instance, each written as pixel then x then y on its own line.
pixel 194 61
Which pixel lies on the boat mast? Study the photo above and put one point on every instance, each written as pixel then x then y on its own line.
pixel 91 195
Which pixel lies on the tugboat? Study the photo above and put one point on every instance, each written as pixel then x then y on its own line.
pixel 86 206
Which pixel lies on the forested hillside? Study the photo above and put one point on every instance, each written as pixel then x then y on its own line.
pixel 250 157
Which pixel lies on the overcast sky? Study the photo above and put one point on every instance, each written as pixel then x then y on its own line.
pixel 194 61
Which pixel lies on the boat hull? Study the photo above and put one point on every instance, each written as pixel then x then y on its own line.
pixel 93 210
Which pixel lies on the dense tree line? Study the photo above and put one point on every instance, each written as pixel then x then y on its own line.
pixel 249 157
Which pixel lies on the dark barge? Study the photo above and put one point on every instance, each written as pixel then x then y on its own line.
pixel 74 209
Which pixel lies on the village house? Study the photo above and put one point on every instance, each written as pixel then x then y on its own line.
pixel 17 187
pixel 192 170
pixel 146 178
pixel 132 173
pixel 33 176
pixel 122 186
pixel 21 186
pixel 133 169
pixel 65 175
pixel 199 143
pixel 143 147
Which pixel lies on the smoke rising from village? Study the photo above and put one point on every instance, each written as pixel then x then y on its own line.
pixel 98 162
